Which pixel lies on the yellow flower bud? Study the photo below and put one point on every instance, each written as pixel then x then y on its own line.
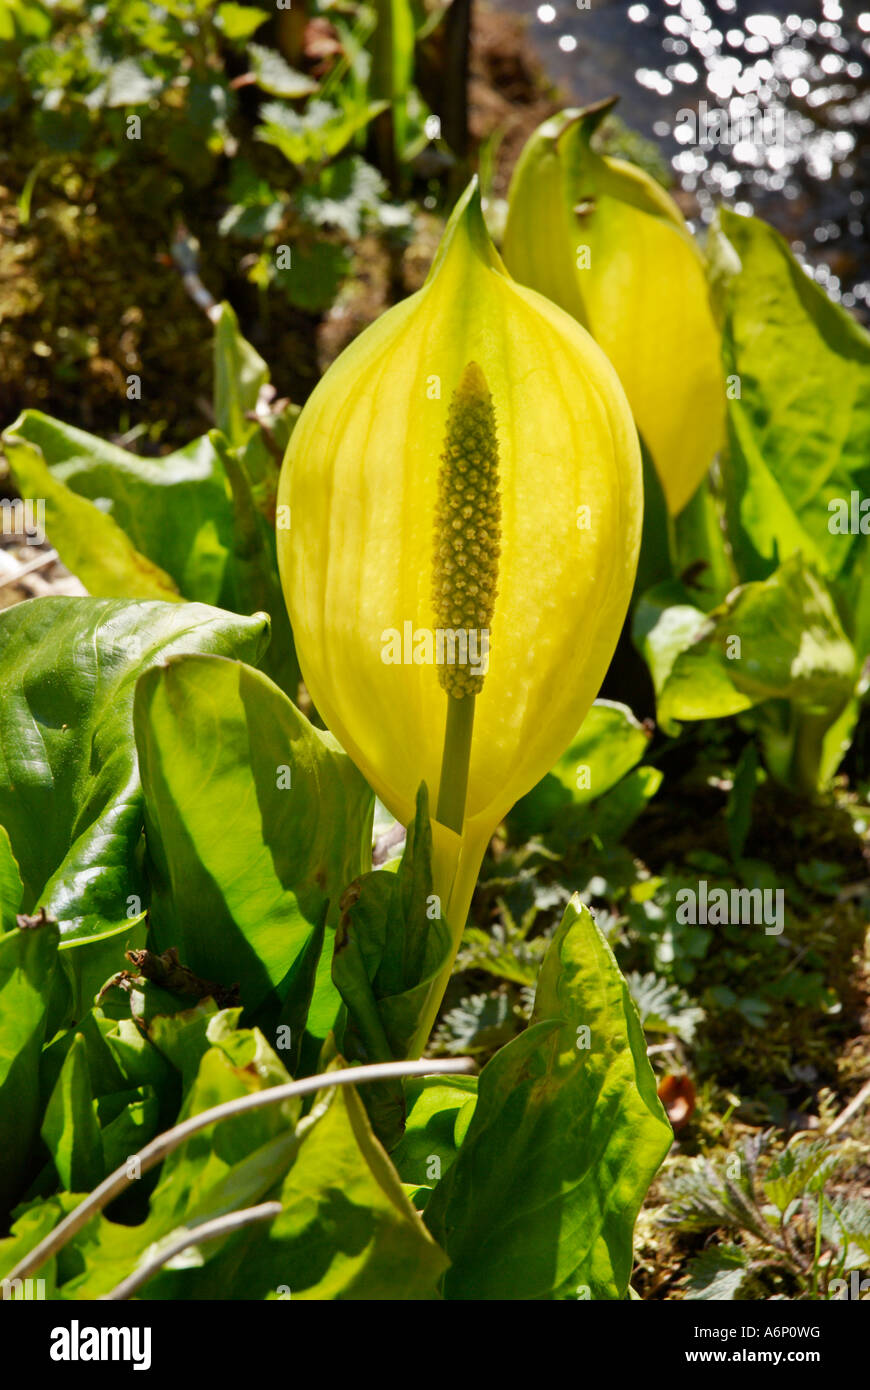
pixel 606 242
pixel 469 463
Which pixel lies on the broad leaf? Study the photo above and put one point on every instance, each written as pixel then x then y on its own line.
pixel 229 1166
pixel 70 797
pixel 565 1139
pixel 439 1113
pixel 255 823
pixel 90 542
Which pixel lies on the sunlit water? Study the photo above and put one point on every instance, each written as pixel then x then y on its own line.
pixel 763 105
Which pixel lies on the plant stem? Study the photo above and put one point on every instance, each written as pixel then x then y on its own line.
pixel 197 1235
pixel 157 1150
pixel 455 762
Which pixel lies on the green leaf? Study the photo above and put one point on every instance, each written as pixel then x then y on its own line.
pixel 176 511
pixel 238 22
pixel 799 431
pixel 28 958
pixel 204 515
pixel 103 1070
pixel 391 945
pixel 665 623
pixel 69 1127
pixel 563 1144
pixel 11 887
pixel 32 1226
pixel 225 1168
pixel 608 745
pixel 776 639
pixel 319 133
pixel 347 1230
pixel 312 281
pixel 70 796
pixel 802 1168
pixel 24 19
pixel 239 374
pixel 343 195
pixel 738 812
pixel 256 583
pixel 126 1130
pixel 439 1113
pixel 846 1225
pixel 91 544
pixel 255 823
pixel 718 1274
pixel 276 76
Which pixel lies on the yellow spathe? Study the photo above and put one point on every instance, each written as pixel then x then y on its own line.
pixel 606 242
pixel 361 483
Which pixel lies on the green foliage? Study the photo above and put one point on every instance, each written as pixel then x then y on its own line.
pixel 792 1234
pixel 608 745
pixel 183 852
pixel 196 524
pixel 776 643
pixel 391 946
pixel 70 796
pixel 507 1208
pixel 255 822
pixel 28 962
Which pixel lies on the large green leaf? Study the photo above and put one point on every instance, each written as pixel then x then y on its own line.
pixel 799 430
pixel 608 745
pixel 565 1139
pixel 28 958
pixel 70 797
pixel 255 822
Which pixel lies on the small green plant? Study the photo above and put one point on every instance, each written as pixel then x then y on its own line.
pixel 791 1234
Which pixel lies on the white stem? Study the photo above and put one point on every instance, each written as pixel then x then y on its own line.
pixel 158 1149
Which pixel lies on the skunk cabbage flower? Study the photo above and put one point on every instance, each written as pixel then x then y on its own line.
pixel 605 241
pixel 464 498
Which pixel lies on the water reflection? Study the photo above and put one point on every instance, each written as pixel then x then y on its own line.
pixel 763 105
